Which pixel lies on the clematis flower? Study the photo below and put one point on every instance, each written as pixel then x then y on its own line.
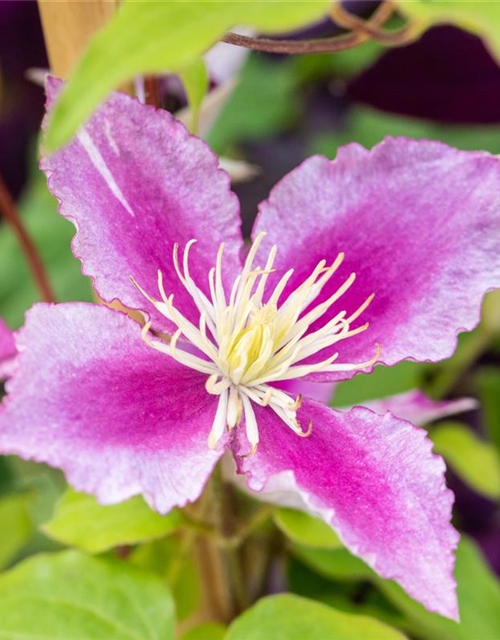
pixel 125 409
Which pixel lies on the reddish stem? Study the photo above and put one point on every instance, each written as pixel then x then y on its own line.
pixel 9 211
pixel 318 45
pixel 372 29
pixel 152 91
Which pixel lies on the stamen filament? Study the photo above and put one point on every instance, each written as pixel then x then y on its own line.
pixel 251 428
pixel 219 422
pixel 250 343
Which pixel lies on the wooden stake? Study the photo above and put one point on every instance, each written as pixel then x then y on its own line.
pixel 68 25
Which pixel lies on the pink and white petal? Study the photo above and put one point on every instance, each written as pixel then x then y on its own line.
pixel 119 418
pixel 418 408
pixel 8 350
pixel 135 182
pixel 418 222
pixel 376 482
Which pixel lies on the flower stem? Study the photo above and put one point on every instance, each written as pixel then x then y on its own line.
pixel 11 215
pixel 195 542
pixel 178 562
pixel 225 525
pixel 238 590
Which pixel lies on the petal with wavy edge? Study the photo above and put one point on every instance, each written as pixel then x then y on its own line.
pixel 134 182
pixel 376 482
pixel 90 397
pixel 418 222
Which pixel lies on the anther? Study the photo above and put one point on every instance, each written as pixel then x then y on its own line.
pixel 305 434
pixel 247 344
pixel 251 453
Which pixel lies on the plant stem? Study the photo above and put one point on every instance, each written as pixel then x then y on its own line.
pixel 215 538
pixel 184 550
pixel 224 522
pixel 237 584
pixel 318 45
pixel 396 38
pixel 197 542
pixel 152 92
pixel 252 523
pixel 11 215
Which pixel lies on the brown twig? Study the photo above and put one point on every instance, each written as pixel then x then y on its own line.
pixel 318 45
pixel 223 513
pixel 9 211
pixel 395 38
pixel 152 94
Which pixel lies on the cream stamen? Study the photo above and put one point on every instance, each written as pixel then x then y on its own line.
pixel 249 344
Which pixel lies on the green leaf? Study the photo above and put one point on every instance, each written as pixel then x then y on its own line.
pixel 478 596
pixel 474 460
pixel 477 588
pixel 80 521
pixel 195 79
pixel 304 529
pixel 16 526
pixel 337 564
pixel 154 37
pixel 70 596
pixel 481 18
pixel 276 16
pixel 52 235
pixel 341 594
pixel 290 617
pixel 263 103
pixel 208 631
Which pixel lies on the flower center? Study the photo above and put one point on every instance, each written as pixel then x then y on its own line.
pixel 244 345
